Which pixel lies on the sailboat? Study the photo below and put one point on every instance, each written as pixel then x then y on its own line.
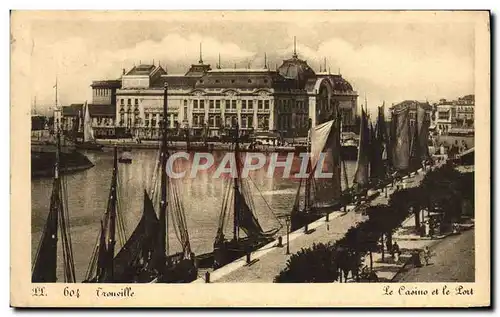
pixel 56 228
pixel 89 142
pixel 145 256
pixel 361 179
pixel 324 140
pixel 408 150
pixel 238 204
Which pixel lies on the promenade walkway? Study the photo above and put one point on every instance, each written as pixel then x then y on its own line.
pixel 268 261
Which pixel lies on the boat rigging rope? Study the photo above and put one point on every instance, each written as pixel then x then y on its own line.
pixel 265 201
pixel 69 263
pixel 92 268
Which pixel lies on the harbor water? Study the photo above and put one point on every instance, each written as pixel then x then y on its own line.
pixel 87 195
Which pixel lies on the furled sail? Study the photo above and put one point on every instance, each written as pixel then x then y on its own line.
pixel 378 148
pixel 362 166
pixel 401 145
pixel 44 270
pixel 88 133
pixel 423 132
pixel 101 264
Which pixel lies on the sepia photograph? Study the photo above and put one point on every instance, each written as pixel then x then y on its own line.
pixel 241 148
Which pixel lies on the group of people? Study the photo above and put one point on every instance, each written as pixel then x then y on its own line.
pixel 453 149
pixel 395 252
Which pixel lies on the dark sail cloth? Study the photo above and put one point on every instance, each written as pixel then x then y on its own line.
pixel 327 190
pixel 44 270
pixel 138 251
pixel 423 133
pixel 247 220
pixel 401 146
pixel 362 166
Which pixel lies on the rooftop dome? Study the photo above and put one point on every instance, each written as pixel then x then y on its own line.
pixel 296 69
pixel 340 83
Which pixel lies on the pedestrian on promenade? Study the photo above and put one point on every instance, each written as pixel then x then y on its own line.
pixel 427 228
pixel 427 255
pixel 396 252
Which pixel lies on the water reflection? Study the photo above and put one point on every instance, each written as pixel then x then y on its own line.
pixel 87 194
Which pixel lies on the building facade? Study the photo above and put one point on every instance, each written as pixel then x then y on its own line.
pixel 413 106
pixel 445 115
pixel 104 91
pixel 206 100
pixel 465 112
pixel 455 115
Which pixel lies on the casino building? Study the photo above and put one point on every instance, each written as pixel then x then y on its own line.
pixel 206 99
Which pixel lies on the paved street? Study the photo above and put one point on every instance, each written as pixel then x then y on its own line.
pixel 269 260
pixel 268 266
pixel 452 261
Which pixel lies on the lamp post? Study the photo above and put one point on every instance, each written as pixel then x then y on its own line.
pixel 287 220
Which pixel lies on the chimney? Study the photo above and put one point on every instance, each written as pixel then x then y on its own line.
pixel 123 71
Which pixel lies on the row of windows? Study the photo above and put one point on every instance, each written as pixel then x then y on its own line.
pixel 216 120
pixel 137 120
pixel 218 81
pixel 292 105
pixel 129 101
pixel 229 104
pixel 102 92
pixel 286 122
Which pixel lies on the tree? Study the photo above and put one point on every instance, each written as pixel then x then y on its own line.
pixel 311 265
pixel 385 220
pixel 445 185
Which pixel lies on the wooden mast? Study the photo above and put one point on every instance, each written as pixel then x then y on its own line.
pixel 236 188
pixel 163 170
pixel 112 216
pixel 307 203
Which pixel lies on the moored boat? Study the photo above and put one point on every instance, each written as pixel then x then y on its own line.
pixel 145 257
pixel 57 228
pixel 238 204
pixel 89 143
pixel 125 157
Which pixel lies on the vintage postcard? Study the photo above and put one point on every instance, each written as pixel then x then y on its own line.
pixel 250 159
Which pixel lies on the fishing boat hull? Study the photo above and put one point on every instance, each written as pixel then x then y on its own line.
pixel 300 219
pixel 229 251
pixel 89 146
pixel 179 270
pixel 125 160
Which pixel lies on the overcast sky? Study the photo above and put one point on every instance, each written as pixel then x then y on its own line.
pixel 382 59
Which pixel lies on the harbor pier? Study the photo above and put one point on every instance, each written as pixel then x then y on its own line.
pixel 269 260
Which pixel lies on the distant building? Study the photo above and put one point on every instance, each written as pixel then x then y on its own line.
pixel 280 100
pixel 413 104
pixel 104 91
pixel 70 117
pixel 446 114
pixel 455 115
pixel 38 122
pixel 465 112
pixel 102 119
